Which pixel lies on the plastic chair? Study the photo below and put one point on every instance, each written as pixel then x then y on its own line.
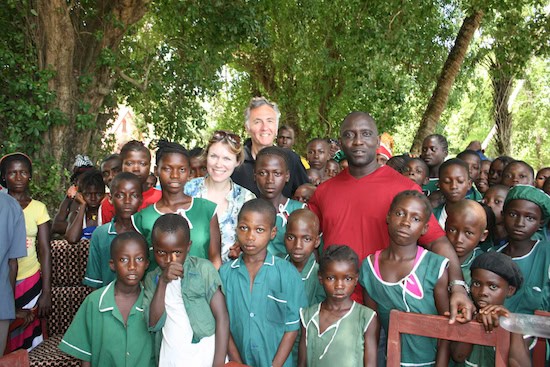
pixel 433 326
pixel 19 358
pixel 539 353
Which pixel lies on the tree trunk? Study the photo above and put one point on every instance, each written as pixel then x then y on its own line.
pixel 450 70
pixel 502 90
pixel 73 42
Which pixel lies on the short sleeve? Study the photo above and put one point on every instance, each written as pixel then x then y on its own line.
pixel 17 237
pixel 149 288
pixel 77 341
pixel 137 221
pixel 211 278
pixel 296 297
pixel 42 215
pixel 93 277
pixel 313 205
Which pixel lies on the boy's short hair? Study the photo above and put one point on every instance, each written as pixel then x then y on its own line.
pixel 126 176
pixel 469 207
pixel 120 239
pixel 338 253
pixel 171 223
pixel 315 140
pixel 525 164
pixel 134 146
pixel 491 219
pixel 421 162
pixel 399 162
pixel 500 264
pixel 308 214
pixel 468 152
pixel 454 162
pixel 276 151
pixel 259 205
pixel 196 152
pixel 166 147
pixel 111 157
pixel 441 140
pixel 532 194
pixel 413 194
pixel 91 178
pixel 285 128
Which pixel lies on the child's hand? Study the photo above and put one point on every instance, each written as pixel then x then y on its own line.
pixel 489 315
pixel 79 198
pixel 173 271
pixel 26 315
pixel 234 251
pixel 71 191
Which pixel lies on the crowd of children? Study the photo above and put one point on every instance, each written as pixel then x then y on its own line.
pixel 172 291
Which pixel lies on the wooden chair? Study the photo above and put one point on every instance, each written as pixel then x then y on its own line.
pixel 438 327
pixel 19 358
pixel 539 353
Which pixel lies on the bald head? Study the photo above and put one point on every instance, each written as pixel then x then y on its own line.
pixel 306 216
pixel 358 116
pixel 468 208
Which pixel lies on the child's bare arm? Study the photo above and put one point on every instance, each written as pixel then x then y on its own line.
pixel 371 337
pixel 214 250
pixel 232 350
pixel 441 298
pixel 219 310
pixel 369 302
pixel 518 356
pixel 302 349
pixel 73 233
pixel 173 271
pixel 285 347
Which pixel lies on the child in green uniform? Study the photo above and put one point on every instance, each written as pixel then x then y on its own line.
pixel 473 161
pixel 526 208
pixel 454 183
pixel 494 198
pixel 408 278
pixel 338 331
pixel 301 240
pixel 126 198
pixel 109 328
pixel 494 278
pixel 264 293
pixel 271 174
pixel 466 227
pixel 183 301
pixel 434 150
pixel 172 170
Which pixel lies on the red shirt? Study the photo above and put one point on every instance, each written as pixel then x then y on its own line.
pixel 150 196
pixel 352 211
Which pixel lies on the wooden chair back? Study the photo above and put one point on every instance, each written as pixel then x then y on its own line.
pixel 433 326
pixel 539 353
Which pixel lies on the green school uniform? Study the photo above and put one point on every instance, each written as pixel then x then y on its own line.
pixel 342 343
pixel 314 292
pixel 98 333
pixel 199 283
pixel 465 266
pixel 473 194
pixel 198 215
pixel 535 267
pixel 414 293
pixel 277 245
pixel 259 318
pixel 98 272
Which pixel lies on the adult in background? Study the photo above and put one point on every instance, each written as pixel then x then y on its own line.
pixel 261 122
pixel 12 246
pixel 224 153
pixel 286 138
pixel 33 282
pixel 352 206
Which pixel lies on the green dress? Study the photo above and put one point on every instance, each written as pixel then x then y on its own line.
pixel 198 215
pixel 414 293
pixel 343 338
pixel 535 267
pixel 277 245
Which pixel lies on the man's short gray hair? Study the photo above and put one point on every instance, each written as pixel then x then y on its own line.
pixel 258 102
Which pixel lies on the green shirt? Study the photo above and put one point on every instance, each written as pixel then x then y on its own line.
pixel 198 215
pixel 277 245
pixel 342 344
pixel 259 318
pixel 98 333
pixel 199 283
pixel 98 272
pixel 465 266
pixel 314 290
pixel 431 186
